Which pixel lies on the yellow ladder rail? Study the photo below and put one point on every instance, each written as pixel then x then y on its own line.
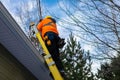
pixel 51 64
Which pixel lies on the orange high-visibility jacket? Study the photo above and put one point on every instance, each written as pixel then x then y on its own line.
pixel 47 25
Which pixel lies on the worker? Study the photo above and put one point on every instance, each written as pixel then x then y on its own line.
pixel 48 29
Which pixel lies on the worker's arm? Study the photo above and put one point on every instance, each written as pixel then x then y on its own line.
pixel 39 26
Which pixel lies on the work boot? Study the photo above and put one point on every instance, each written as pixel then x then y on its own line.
pixel 63 74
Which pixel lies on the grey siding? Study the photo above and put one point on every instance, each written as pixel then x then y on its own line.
pixel 11 68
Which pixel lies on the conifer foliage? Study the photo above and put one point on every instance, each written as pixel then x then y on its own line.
pixel 77 63
pixel 110 71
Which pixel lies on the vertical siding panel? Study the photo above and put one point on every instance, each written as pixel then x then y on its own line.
pixel 11 69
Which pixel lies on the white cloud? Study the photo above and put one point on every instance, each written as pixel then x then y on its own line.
pixel 88 47
pixel 116 2
pixel 17 19
pixel 62 4
pixel 95 66
pixel 6 3
pixel 31 5
pixel 62 31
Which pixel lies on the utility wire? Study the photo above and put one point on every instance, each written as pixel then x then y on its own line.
pixel 39 9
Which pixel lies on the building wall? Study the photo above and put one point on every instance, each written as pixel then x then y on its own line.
pixel 11 69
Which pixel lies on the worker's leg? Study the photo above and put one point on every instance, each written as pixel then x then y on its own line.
pixel 56 57
pixel 53 49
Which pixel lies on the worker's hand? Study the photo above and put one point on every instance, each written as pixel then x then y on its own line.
pixel 33 32
pixel 40 20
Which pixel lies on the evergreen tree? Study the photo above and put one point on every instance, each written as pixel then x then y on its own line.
pixel 110 71
pixel 77 63
pixel 105 72
pixel 115 67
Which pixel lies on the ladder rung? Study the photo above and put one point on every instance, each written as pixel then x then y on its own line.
pixel 47 56
pixel 51 63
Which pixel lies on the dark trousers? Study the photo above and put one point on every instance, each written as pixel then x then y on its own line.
pixel 53 49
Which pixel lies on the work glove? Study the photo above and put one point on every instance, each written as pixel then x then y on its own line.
pixel 47 40
pixel 33 32
pixel 61 42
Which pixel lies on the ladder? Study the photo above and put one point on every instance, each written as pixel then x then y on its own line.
pixel 48 58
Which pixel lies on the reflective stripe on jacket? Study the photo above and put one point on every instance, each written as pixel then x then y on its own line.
pixel 46 25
